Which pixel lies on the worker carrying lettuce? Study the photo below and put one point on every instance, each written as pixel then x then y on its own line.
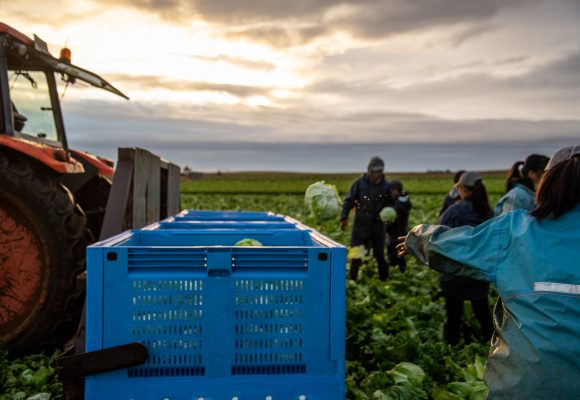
pixel 532 259
pixel 368 195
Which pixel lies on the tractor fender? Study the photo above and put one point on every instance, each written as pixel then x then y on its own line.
pixel 104 166
pixel 55 158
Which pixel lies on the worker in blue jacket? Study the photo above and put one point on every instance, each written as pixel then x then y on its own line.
pixel 532 258
pixel 368 195
pixel 521 195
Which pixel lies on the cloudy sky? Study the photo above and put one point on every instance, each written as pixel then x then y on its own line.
pixel 319 85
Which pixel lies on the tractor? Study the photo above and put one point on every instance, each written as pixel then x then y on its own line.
pixel 52 198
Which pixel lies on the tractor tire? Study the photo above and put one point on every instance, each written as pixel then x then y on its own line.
pixel 42 250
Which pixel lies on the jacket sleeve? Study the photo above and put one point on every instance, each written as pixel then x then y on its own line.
pixel 403 208
pixel 349 201
pixel 403 205
pixel 467 251
pixel 505 204
pixel 447 218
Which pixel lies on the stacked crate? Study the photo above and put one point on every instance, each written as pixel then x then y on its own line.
pixel 220 322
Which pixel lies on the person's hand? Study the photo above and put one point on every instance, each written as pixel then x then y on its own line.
pixel 402 249
pixel 343 224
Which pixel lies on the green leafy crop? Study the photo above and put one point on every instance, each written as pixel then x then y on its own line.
pixel 28 378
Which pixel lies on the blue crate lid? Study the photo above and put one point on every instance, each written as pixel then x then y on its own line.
pixel 204 215
pixel 211 237
pixel 243 224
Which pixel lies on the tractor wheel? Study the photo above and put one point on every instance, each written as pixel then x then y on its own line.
pixel 42 250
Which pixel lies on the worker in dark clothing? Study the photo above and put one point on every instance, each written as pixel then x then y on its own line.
pixel 368 195
pixel 397 228
pixel 453 196
pixel 472 209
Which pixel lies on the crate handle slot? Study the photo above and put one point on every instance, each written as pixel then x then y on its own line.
pixel 218 273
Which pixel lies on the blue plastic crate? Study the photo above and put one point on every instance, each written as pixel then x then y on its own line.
pixel 196 220
pixel 203 215
pixel 219 322
pixel 197 225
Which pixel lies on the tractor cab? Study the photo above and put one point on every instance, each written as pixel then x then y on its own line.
pixel 30 100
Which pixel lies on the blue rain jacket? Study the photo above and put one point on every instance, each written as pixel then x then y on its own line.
pixel 519 197
pixel 535 266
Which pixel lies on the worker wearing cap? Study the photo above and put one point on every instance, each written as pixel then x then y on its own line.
pixel 532 259
pixel 471 209
pixel 368 195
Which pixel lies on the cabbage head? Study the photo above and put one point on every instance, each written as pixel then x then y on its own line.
pixel 388 214
pixel 248 242
pixel 323 201
pixel 357 252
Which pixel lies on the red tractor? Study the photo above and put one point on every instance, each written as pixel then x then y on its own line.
pixel 52 198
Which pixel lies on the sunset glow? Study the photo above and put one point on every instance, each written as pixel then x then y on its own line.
pixel 360 74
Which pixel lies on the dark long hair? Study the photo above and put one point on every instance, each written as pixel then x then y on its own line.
pixel 480 200
pixel 559 190
pixel 535 163
pixel 514 175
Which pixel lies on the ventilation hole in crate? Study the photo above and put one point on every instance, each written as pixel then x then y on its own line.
pixel 268 327
pixel 167 317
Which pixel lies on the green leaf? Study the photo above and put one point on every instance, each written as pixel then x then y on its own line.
pixel 39 396
pixel 459 388
pixel 477 369
pixel 401 392
pixel 375 381
pixel 443 394
pixel 407 372
pixel 479 393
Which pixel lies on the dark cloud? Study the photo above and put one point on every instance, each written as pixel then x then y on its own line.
pixel 140 82
pixel 562 73
pixel 264 10
pixel 236 122
pixel 277 36
pixel 283 23
pixel 472 31
pixel 399 16
pixel 280 23
pixel 552 88
pixel 235 137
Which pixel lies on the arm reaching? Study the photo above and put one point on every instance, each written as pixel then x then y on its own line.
pixel 466 251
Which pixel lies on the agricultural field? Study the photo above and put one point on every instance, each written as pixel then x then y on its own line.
pixel 395 348
pixel 394 339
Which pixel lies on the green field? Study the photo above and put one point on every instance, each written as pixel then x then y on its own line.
pixel 388 324
pixel 394 329
pixel 263 183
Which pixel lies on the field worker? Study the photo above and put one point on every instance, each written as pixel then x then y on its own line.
pixel 399 227
pixel 453 195
pixel 532 258
pixel 522 193
pixel 368 195
pixel 472 209
pixel 514 175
